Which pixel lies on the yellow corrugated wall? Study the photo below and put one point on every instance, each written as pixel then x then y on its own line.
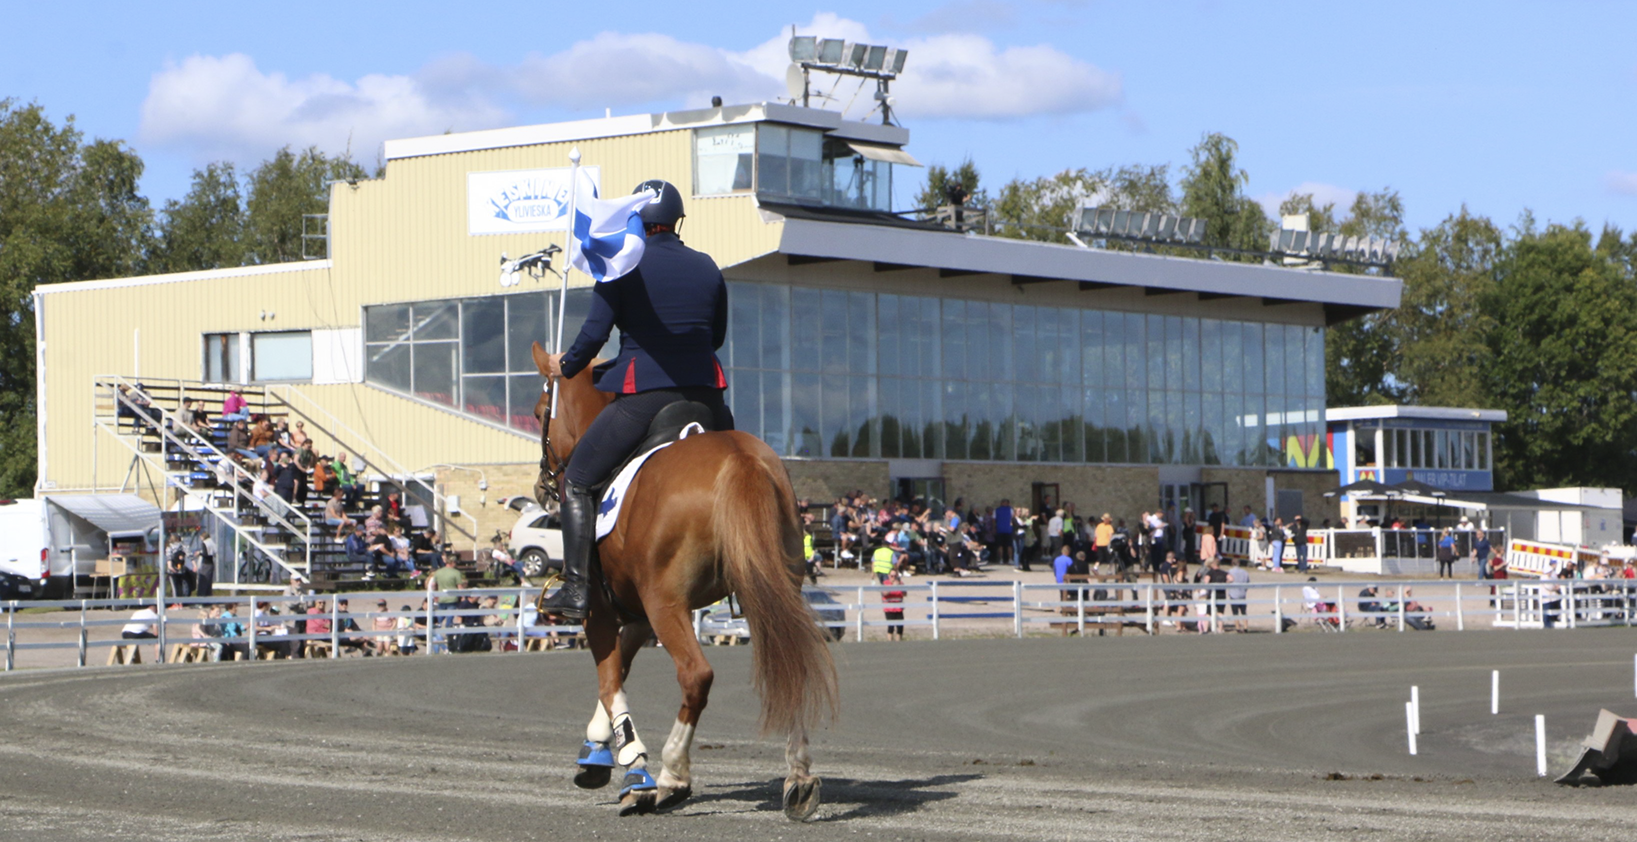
pixel 399 238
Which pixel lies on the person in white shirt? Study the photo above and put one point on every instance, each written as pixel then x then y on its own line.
pixel 1054 531
pixel 141 626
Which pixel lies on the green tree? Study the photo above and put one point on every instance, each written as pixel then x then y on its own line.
pixel 283 189
pixel 1213 189
pixel 1564 367
pixel 935 193
pixel 1441 326
pixel 69 211
pixel 1043 208
pixel 1360 354
pixel 205 230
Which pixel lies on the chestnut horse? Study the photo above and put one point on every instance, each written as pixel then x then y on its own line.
pixel 708 516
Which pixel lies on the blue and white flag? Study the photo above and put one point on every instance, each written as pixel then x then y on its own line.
pixel 608 238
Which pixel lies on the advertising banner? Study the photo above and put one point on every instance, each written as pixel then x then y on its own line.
pixel 522 201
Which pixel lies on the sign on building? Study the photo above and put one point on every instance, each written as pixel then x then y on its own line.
pixel 522 201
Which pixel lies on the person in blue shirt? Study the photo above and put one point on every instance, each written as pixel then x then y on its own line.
pixel 672 313
pixel 1005 533
pixel 1062 563
pixel 1481 549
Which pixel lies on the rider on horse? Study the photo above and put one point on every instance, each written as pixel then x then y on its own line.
pixel 672 312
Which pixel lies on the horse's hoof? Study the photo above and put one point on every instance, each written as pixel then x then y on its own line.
pixel 801 800
pixel 669 798
pixel 593 777
pixel 641 801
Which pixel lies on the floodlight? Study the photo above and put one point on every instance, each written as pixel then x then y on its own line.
pixel 895 61
pixel 1105 220
pixel 1392 250
pixel 1121 218
pixel 876 57
pixel 1285 235
pixel 1196 234
pixel 830 50
pixel 853 54
pixel 803 47
pixel 1298 242
pixel 1168 227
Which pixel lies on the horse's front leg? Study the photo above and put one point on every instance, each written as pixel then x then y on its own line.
pixel 637 788
pixel 596 762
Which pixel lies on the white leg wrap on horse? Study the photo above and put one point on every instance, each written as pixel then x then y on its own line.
pixel 600 729
pixel 627 746
pixel 677 772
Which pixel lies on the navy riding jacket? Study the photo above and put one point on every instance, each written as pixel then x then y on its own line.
pixel 672 312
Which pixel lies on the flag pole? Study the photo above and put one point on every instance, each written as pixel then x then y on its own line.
pixel 562 299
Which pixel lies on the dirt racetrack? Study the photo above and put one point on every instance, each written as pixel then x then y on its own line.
pixel 1223 737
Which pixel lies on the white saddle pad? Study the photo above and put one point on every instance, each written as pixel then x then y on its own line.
pixel 608 509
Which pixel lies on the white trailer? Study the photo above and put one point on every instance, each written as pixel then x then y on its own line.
pixel 57 540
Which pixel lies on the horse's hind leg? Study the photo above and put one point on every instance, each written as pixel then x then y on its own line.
pixel 694 675
pixel 801 788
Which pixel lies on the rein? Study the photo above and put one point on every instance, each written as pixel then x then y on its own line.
pixel 549 457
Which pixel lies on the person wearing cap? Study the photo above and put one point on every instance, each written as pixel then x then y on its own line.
pixel 672 314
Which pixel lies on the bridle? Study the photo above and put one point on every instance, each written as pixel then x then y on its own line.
pixel 549 475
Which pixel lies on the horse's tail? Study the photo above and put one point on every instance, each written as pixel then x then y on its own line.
pixel 755 523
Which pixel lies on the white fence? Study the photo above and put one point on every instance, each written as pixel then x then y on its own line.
pixel 936 609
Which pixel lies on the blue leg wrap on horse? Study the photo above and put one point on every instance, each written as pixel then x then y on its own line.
pixel 637 780
pixel 596 754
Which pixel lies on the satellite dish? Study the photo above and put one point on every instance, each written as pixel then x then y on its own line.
pixel 795 82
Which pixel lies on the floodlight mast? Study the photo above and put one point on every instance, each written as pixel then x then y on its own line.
pixel 865 61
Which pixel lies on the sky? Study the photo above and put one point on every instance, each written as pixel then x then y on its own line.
pixel 1498 106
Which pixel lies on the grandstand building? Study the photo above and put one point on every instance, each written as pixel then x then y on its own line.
pixel 872 351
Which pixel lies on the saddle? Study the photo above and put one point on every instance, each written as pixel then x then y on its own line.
pixel 666 427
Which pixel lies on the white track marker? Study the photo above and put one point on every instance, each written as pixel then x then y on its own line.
pixel 1494 692
pixel 1415 705
pixel 1540 745
pixel 1409 724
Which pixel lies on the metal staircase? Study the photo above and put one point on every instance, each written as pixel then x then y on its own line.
pixel 143 419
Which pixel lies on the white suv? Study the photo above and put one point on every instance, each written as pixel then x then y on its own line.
pixel 536 540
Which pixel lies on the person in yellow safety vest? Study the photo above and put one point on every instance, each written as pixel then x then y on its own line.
pixel 810 555
pixel 884 563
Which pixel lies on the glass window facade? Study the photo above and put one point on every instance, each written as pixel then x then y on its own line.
pixel 824 373
pixel 285 355
pixel 788 163
pixel 1424 449
pixel 471 355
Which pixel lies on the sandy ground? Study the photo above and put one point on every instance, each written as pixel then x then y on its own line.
pixel 1221 737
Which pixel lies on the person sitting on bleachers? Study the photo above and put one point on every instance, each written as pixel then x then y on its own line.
pixel 238 439
pixel 358 549
pixel 234 407
pixel 1369 605
pixel 379 623
pixel 347 480
pixel 320 609
pixel 335 514
pixel 427 551
pixel 262 438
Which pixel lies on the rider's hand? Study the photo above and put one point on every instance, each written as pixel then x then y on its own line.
pixel 554 365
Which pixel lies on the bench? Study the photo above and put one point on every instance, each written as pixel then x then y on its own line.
pixel 125 653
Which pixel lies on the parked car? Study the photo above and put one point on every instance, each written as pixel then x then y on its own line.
pixel 13 586
pixel 536 539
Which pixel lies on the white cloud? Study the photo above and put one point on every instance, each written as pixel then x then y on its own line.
pixel 1323 194
pixel 225 107
pixel 1623 183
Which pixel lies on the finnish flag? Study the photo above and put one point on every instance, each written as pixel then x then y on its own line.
pixel 608 238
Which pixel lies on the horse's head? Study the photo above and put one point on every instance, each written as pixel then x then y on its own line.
pixel 578 402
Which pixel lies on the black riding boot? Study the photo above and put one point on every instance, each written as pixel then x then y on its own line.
pixel 579 514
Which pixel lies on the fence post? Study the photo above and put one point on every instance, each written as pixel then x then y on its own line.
pixel 858 619
pixel 523 593
pixel 11 638
pixel 1017 607
pixel 1400 607
pixel 1148 606
pixel 1627 589
pixel 1278 609
pixel 431 620
pixel 934 610
pixel 250 626
pixel 1571 604
pixel 1341 609
pixel 160 599
pixel 82 633
pixel 335 627
pixel 1460 616
pixel 1080 623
